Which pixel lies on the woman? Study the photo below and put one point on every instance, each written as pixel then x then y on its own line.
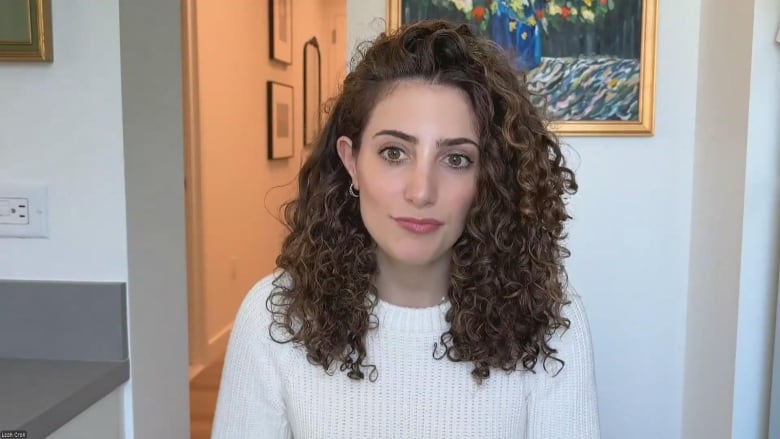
pixel 420 291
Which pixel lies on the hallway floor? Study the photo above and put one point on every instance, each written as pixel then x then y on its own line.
pixel 203 400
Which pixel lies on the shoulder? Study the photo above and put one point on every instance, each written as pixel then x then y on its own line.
pixel 262 289
pixel 254 315
pixel 573 344
pixel 578 317
pixel 563 397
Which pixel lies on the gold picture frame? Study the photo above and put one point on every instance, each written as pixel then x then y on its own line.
pixel 642 83
pixel 25 30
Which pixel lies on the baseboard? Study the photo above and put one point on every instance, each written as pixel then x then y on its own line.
pixel 218 344
pixel 215 351
pixel 196 369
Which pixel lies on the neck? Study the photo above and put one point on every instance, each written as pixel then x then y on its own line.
pixel 414 286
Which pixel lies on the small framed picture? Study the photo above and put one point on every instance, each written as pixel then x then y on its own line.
pixel 281 30
pixel 280 121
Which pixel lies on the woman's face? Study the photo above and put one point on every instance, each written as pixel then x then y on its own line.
pixel 416 171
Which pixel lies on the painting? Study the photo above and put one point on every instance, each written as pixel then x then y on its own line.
pixel 280 120
pixel 589 64
pixel 281 30
pixel 25 30
pixel 312 95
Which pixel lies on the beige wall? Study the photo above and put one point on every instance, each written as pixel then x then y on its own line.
pixel 241 237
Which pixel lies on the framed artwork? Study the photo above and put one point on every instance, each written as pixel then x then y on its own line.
pixel 281 30
pixel 590 64
pixel 312 94
pixel 25 30
pixel 280 120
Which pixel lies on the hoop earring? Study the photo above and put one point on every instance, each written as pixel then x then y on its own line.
pixel 351 191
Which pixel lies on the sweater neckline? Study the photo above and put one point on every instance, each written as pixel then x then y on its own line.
pixel 407 319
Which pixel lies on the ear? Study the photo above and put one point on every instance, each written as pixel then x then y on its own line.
pixel 344 148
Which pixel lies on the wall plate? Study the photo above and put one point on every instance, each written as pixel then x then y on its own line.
pixel 23 210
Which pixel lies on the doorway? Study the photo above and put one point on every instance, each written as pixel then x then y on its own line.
pixel 233 190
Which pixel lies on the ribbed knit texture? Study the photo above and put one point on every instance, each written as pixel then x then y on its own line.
pixel 271 391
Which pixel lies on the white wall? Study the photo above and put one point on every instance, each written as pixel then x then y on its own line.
pixel 365 19
pixel 774 404
pixel 736 225
pixel 629 243
pixel 103 419
pixel 636 229
pixel 154 168
pixel 760 232
pixel 61 124
pixel 716 225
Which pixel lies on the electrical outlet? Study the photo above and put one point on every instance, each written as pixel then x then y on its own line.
pixel 23 210
pixel 14 211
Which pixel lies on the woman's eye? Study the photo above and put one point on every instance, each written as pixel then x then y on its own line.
pixel 458 161
pixel 392 154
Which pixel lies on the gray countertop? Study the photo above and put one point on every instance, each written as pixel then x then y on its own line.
pixel 63 347
pixel 39 396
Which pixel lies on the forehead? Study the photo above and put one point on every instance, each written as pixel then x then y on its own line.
pixel 421 108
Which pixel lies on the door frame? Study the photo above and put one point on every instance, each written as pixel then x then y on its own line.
pixel 198 345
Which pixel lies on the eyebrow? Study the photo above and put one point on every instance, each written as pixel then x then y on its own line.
pixel 439 143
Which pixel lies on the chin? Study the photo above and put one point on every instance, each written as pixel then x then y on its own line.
pixel 413 256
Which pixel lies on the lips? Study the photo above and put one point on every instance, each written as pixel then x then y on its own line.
pixel 415 225
pixel 423 221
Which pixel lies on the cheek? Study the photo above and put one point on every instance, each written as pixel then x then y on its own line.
pixel 376 195
pixel 378 185
pixel 463 199
pixel 464 205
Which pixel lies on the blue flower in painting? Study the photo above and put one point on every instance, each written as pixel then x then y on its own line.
pixel 518 33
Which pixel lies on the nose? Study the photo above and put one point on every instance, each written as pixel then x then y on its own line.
pixel 421 185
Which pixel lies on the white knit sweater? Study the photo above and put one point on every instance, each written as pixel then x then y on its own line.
pixel 271 391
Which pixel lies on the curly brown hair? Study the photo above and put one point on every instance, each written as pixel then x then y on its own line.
pixel 507 277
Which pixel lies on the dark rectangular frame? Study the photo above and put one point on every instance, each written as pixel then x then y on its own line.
pixel 276 53
pixel 272 154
